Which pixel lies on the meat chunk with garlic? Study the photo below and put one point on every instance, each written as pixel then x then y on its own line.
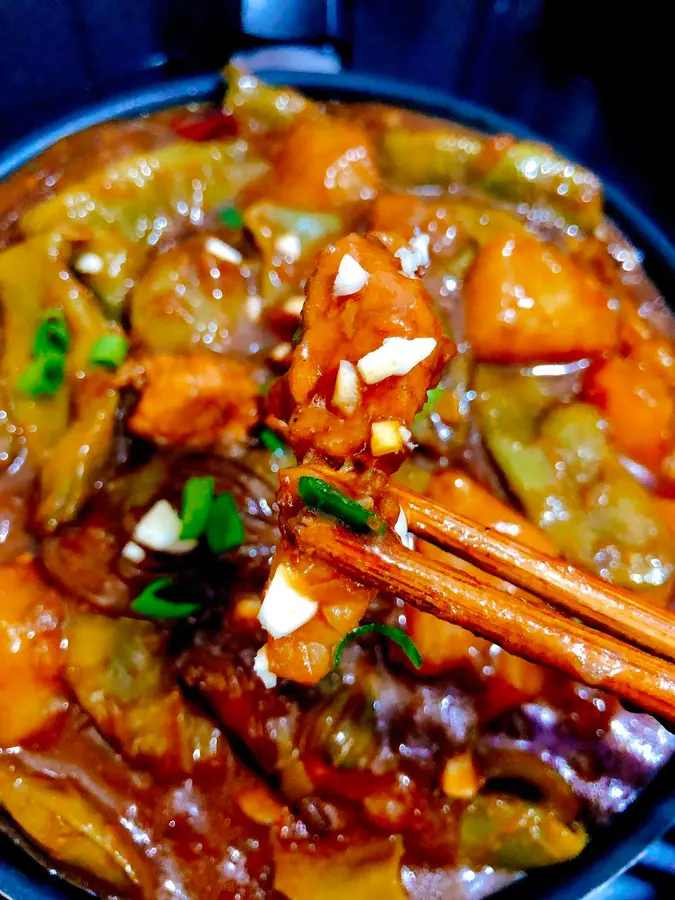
pixel 370 349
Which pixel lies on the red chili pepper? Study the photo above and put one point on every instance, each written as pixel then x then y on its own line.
pixel 204 125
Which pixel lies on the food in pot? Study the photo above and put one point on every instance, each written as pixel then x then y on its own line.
pixel 192 302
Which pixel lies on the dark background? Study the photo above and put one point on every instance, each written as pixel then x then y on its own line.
pixel 593 76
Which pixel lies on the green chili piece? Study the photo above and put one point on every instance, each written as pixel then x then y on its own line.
pixel 224 527
pixel 319 495
pixel 197 502
pixel 394 634
pixel 43 376
pixel 149 604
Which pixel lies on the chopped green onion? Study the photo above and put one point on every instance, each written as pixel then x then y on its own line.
pixel 231 217
pixel 272 441
pixel 394 634
pixel 264 389
pixel 323 497
pixel 52 336
pixel 149 604
pixel 297 336
pixel 197 502
pixel 224 528
pixel 43 376
pixel 110 350
pixel 433 396
pixel 432 399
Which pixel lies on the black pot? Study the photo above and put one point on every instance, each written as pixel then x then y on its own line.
pixel 618 845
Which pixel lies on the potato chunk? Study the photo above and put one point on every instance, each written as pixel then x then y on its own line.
pixel 324 163
pixel 527 302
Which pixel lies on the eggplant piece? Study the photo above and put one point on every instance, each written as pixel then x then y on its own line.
pixel 31 283
pixel 440 156
pixel 288 241
pixel 34 278
pixel 258 107
pixel 509 833
pixel 198 829
pixel 70 826
pixel 344 728
pixel 557 461
pixel 142 195
pixel 510 763
pixel 84 559
pixel 535 174
pixel 188 299
pixel 109 263
pixel 75 462
pixel 118 670
pixel 360 870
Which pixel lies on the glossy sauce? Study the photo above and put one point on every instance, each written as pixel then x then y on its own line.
pixel 158 765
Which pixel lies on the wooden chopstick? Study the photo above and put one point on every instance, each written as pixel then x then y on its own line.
pixel 531 630
pixel 578 593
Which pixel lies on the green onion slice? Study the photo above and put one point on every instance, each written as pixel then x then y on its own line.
pixel 52 336
pixel 394 634
pixel 433 396
pixel 432 399
pixel 197 502
pixel 272 441
pixel 110 350
pixel 43 376
pixel 149 604
pixel 224 527
pixel 319 495
pixel 231 217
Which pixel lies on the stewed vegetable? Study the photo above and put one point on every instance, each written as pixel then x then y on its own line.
pixel 196 301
